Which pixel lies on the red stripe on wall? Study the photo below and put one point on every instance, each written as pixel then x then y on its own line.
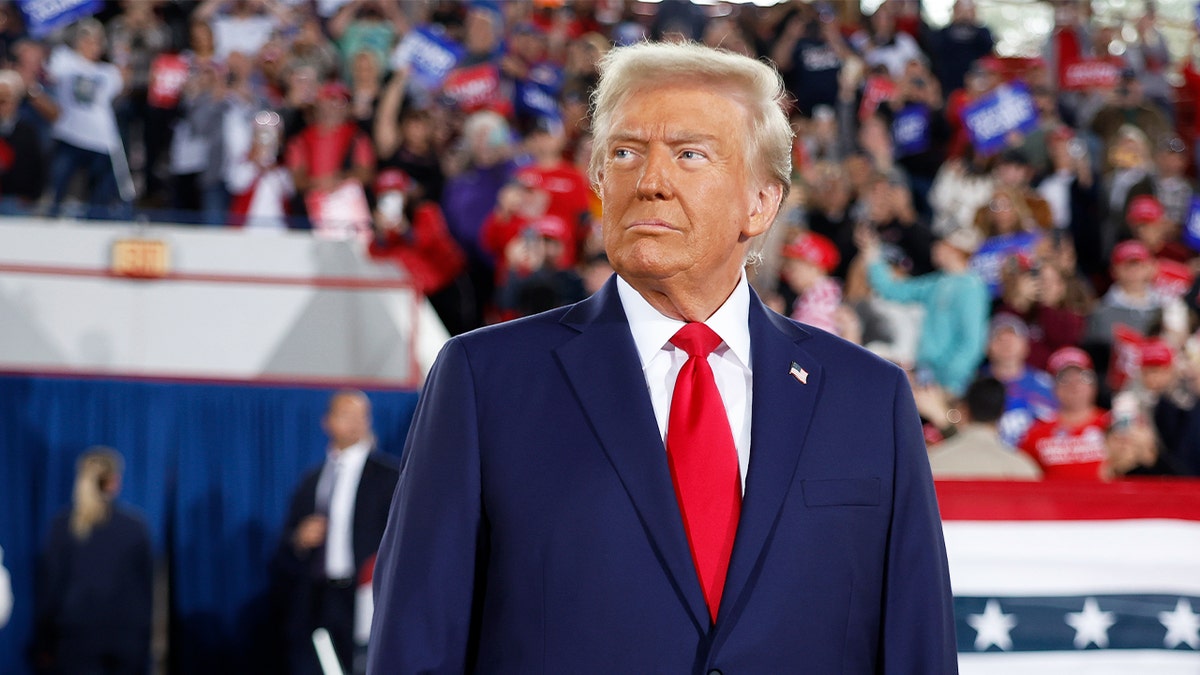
pixel 1173 498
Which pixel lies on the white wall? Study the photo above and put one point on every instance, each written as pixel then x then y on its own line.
pixel 236 305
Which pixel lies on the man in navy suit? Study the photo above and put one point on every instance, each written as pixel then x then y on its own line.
pixel 546 516
pixel 336 519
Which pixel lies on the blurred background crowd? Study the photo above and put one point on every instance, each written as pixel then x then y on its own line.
pixel 993 223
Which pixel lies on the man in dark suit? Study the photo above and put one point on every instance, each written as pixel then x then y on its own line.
pixel 667 477
pixel 336 519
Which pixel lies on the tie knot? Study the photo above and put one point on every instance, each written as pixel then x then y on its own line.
pixel 696 339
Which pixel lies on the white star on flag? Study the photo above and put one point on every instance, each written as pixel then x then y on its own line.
pixel 1183 626
pixel 992 627
pixel 1091 625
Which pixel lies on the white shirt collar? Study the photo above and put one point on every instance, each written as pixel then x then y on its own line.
pixel 652 330
pixel 355 453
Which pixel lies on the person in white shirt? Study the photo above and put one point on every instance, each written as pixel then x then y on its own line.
pixel 85 132
pixel 334 525
pixel 242 25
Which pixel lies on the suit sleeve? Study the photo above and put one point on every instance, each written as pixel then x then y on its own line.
pixel 287 563
pixel 431 562
pixel 918 612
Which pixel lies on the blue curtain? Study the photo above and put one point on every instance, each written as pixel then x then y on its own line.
pixel 212 467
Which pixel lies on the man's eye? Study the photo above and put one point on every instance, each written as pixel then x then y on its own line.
pixel 622 153
pixel 691 154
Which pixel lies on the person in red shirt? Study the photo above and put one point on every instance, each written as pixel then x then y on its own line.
pixel 566 185
pixel 332 149
pixel 412 232
pixel 1071 445
pixel 516 207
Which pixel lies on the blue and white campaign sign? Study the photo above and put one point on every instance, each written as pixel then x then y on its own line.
pixel 988 262
pixel 910 130
pixel 429 55
pixel 43 17
pixel 1191 230
pixel 1007 108
pixel 536 101
pixel 1052 577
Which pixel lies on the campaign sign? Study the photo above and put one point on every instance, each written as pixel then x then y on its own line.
pixel 340 213
pixel 1090 74
pixel 877 90
pixel 43 17
pixel 988 262
pixel 429 56
pixel 473 88
pixel 1006 109
pixel 1173 278
pixel 533 100
pixel 168 74
pixel 547 76
pixel 1191 231
pixel 910 130
pixel 1126 355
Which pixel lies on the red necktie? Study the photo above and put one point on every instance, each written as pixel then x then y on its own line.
pixel 704 462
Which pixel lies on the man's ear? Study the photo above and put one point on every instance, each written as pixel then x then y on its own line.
pixel 764 206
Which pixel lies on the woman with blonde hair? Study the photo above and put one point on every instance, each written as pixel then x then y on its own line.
pixel 95 579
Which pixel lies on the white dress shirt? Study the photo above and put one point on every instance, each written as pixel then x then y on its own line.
pixel 730 361
pixel 345 469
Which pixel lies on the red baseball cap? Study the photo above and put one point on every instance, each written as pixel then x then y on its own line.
pixel 1156 353
pixel 1068 357
pixel 1130 251
pixel 392 180
pixel 552 227
pixel 1144 209
pixel 815 249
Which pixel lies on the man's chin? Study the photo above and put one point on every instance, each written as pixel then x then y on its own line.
pixel 645 268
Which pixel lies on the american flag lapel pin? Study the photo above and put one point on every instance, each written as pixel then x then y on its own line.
pixel 799 373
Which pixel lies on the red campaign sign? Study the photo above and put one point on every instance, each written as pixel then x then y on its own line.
pixel 473 88
pixel 1126 355
pixel 1173 278
pixel 340 213
pixel 168 74
pixel 1090 74
pixel 877 90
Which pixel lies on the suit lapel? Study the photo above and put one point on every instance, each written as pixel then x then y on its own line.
pixel 781 412
pixel 604 370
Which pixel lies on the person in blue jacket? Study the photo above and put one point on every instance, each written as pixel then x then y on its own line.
pixel 954 330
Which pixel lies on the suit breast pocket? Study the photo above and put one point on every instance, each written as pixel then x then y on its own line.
pixel 841 492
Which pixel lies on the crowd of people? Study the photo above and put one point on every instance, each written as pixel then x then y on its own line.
pixel 452 137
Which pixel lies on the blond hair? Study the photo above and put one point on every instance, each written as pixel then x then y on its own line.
pixel 755 84
pixel 95 474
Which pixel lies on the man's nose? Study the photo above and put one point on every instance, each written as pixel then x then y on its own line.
pixel 655 181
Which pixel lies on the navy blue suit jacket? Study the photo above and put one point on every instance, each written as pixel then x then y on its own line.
pixel 535 527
